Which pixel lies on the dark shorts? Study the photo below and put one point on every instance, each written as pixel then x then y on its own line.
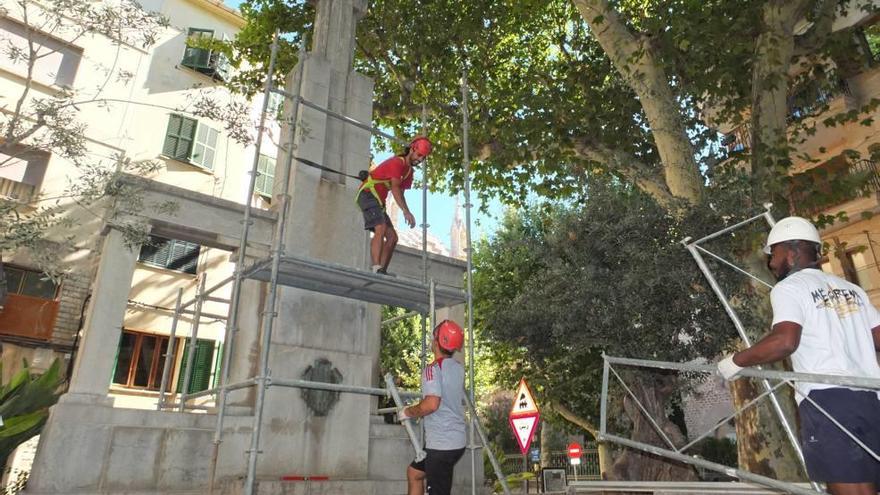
pixel 438 466
pixel 831 455
pixel 373 212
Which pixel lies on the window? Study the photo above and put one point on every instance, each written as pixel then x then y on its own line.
pixel 31 304
pixel 29 283
pixel 266 177
pixel 189 141
pixel 140 360
pixel 209 62
pixel 56 62
pixel 203 364
pixel 21 173
pixel 172 254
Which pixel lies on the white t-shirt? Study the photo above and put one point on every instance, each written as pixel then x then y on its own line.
pixel 836 317
pixel 445 428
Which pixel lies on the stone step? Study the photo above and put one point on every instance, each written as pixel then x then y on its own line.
pixel 322 487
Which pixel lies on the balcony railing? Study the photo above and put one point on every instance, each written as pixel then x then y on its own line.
pixel 812 98
pixel 18 191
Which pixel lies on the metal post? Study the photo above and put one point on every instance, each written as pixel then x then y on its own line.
pixel 169 352
pixel 193 341
pixel 466 160
pixel 475 421
pixel 740 328
pixel 407 423
pixel 603 403
pixel 269 313
pixel 232 323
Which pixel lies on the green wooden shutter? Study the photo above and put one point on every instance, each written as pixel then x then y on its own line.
pixel 202 364
pixel 156 252
pixel 179 137
pixel 266 178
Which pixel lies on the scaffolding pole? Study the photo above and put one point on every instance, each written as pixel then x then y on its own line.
pixel 692 248
pixel 169 352
pixel 466 161
pixel 270 313
pixel 193 342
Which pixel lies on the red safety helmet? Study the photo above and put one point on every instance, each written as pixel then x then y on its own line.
pixel 449 335
pixel 422 145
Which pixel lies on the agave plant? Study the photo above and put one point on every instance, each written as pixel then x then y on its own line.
pixel 24 404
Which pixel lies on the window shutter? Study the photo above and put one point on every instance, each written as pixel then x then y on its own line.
pixel 200 378
pixel 179 137
pixel 266 178
pixel 203 151
pixel 156 251
pixel 183 256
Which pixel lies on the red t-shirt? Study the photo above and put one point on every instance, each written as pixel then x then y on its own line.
pixel 394 167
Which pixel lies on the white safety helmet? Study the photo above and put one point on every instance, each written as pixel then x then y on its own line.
pixel 792 229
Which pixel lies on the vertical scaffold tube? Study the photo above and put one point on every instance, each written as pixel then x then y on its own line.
pixel 269 313
pixel 741 330
pixel 232 323
pixel 193 342
pixel 466 160
pixel 169 352
pixel 424 323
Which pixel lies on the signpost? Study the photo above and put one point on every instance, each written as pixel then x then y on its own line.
pixel 574 456
pixel 523 419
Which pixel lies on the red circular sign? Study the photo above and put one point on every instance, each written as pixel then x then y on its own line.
pixel 574 450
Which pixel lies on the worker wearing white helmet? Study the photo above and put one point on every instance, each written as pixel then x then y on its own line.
pixel 827 326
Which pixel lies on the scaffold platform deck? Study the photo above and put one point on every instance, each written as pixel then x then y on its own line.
pixel 345 281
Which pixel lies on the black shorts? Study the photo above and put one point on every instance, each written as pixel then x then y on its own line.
pixel 438 466
pixel 373 212
pixel 831 455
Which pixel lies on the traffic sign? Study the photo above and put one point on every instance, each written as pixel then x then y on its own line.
pixel 535 455
pixel 524 403
pixel 524 430
pixel 523 416
pixel 574 450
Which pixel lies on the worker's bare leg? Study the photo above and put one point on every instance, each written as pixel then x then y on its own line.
pixel 850 489
pixel 376 244
pixel 388 247
pixel 415 481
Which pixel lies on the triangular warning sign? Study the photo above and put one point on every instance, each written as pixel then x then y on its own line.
pixel 523 402
pixel 524 430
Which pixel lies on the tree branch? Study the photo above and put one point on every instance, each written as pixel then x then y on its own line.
pixel 573 418
pixel 810 41
pixel 644 177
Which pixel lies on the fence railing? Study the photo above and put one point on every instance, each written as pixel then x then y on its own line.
pixel 587 470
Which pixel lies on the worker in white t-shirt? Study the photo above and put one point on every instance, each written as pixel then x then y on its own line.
pixel 442 407
pixel 827 326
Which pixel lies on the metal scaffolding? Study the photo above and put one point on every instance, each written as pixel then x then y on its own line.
pixel 283 269
pixel 765 376
pixel 678 452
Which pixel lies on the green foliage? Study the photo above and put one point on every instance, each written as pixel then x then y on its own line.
pixel 24 404
pixel 609 275
pixel 401 350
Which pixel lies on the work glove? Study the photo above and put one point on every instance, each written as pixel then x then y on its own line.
pixel 728 369
pixel 402 415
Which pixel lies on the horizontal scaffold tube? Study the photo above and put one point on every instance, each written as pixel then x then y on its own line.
pixel 738 473
pixel 336 387
pixel 848 381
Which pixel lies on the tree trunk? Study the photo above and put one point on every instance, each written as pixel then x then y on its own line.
pixel 774 49
pixel 634 59
pixel 763 447
pixel 653 392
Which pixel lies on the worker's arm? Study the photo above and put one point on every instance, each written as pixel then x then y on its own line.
pixel 425 407
pixel 876 332
pixel 397 192
pixel 782 341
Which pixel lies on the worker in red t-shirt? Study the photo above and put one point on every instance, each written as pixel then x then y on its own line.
pixel 396 175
